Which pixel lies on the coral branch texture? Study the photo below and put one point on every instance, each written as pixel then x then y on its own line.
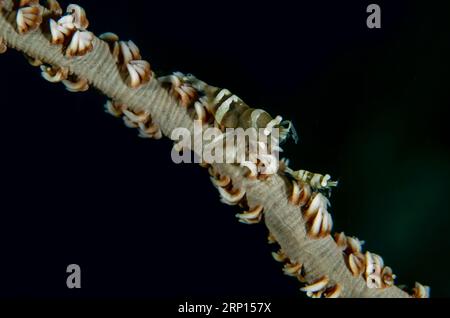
pixel 326 265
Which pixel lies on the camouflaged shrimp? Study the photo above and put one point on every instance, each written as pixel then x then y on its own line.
pixel 229 111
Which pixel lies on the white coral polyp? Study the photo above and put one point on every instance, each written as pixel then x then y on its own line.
pixel 139 72
pixel 80 44
pixel 28 19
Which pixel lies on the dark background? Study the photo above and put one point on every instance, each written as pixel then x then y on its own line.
pixel 370 107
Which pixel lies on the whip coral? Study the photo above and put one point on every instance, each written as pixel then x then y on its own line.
pixel 326 266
